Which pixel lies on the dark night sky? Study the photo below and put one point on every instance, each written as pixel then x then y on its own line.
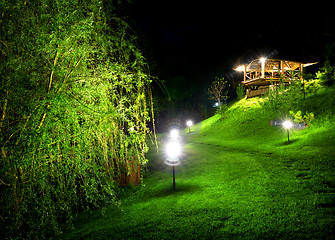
pixel 193 41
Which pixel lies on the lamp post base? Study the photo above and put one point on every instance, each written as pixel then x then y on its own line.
pixel 174 178
pixel 288 135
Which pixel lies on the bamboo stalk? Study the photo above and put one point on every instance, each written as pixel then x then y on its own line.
pixel 4 111
pixel 52 71
pixel 49 87
pixel 3 183
pixel 43 118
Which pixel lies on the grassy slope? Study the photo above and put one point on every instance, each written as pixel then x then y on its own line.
pixel 240 179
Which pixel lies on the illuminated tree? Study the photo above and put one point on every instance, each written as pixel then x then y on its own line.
pixel 75 99
pixel 216 90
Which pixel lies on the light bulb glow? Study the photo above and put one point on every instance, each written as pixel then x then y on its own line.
pixel 287 124
pixel 240 68
pixel 173 150
pixel 189 123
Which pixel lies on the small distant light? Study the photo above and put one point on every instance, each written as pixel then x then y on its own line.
pixel 131 129
pixel 189 123
pixel 262 59
pixel 287 124
pixel 216 104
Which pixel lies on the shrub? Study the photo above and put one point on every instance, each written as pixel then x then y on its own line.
pixel 281 98
pixel 300 118
pixel 240 91
pixel 327 74
pixel 222 109
pixel 312 86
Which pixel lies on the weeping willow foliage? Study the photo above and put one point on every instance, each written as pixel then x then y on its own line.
pixel 74 106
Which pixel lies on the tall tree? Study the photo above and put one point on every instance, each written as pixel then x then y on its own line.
pixel 74 106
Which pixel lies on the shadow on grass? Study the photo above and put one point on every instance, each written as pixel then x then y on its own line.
pixel 286 143
pixel 181 188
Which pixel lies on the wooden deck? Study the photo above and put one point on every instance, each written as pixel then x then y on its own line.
pixel 259 81
pixel 264 72
pixel 255 93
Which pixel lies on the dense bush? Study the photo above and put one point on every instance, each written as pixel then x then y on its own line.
pixel 282 98
pixel 303 118
pixel 290 99
pixel 73 111
pixel 312 86
pixel 240 91
pixel 326 75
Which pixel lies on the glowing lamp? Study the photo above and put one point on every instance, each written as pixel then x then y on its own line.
pixel 189 123
pixel 288 124
pixel 240 68
pixel 173 151
pixel 262 59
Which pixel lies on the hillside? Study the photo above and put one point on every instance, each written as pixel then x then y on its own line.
pixel 247 124
pixel 239 179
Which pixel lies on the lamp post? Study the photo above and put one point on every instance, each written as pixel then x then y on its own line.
pixel 189 123
pixel 173 151
pixel 288 124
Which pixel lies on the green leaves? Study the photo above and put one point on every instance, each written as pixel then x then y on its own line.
pixel 327 74
pixel 73 110
pixel 306 118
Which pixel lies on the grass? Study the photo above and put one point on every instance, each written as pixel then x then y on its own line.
pixel 240 179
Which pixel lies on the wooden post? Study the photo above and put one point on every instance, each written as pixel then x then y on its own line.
pixel 281 68
pixel 263 70
pixel 133 176
pixel 245 72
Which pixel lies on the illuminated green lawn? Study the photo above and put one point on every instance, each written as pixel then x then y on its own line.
pixel 244 182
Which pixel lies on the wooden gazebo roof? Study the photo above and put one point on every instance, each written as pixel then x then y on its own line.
pixel 263 71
